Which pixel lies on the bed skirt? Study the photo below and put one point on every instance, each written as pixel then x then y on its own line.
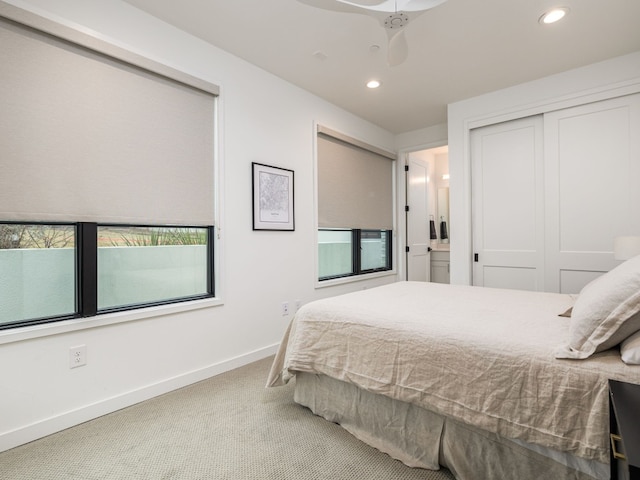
pixel 423 439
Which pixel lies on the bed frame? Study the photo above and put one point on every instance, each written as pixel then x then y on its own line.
pixel 459 376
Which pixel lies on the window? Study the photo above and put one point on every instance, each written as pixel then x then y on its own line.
pixel 355 206
pixel 335 253
pixel 37 272
pixel 148 265
pixel 52 272
pixel 107 196
pixel 375 250
pixel 344 253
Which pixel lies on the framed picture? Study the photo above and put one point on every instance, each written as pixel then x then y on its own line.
pixel 272 198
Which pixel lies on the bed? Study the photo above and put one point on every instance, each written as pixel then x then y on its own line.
pixel 483 381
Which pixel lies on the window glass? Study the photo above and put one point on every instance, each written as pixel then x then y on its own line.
pixel 374 251
pixel 37 271
pixel 335 253
pixel 142 265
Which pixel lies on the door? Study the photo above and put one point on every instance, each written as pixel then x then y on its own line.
pixel 417 218
pixel 551 193
pixel 508 204
pixel 592 185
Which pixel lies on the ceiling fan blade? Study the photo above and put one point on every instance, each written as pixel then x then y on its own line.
pixel 393 15
pixel 333 5
pixel 421 5
pixel 393 6
pixel 398 49
pixel 363 3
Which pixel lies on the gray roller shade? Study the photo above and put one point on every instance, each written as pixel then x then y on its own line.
pixel 355 186
pixel 90 137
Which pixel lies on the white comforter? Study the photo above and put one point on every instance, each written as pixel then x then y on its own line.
pixel 482 356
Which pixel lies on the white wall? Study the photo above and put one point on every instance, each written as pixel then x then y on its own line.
pixel 611 78
pixel 262 119
pixel 422 139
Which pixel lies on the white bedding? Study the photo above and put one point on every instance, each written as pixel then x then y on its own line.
pixel 481 356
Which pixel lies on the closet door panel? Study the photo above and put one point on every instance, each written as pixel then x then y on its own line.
pixel 507 209
pixel 592 165
pixel 518 278
pixel 572 281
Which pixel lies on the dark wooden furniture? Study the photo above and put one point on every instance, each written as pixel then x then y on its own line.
pixel 624 430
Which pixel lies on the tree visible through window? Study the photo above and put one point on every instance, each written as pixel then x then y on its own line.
pixel 36 236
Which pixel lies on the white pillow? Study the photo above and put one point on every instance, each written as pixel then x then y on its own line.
pixel 630 349
pixel 606 312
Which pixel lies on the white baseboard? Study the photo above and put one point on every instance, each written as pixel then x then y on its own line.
pixel 69 419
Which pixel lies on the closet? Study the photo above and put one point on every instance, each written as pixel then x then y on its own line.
pixel 550 193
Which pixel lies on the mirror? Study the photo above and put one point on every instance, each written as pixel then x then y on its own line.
pixel 442 222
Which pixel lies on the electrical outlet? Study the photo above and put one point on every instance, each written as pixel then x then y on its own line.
pixel 77 356
pixel 285 309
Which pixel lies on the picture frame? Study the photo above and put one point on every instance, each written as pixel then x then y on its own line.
pixel 273 200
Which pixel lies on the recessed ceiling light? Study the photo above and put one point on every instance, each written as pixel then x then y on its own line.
pixel 553 15
pixel 373 84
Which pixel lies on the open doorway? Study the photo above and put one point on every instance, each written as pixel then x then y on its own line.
pixel 427 215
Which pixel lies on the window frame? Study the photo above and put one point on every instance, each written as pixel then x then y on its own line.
pixel 356 255
pixel 51 318
pixel 86 274
pixel 388 251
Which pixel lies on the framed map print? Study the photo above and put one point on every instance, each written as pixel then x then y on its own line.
pixel 272 198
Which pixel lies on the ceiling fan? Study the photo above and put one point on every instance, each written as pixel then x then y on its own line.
pixel 393 15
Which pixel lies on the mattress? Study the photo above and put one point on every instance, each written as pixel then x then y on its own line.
pixel 481 357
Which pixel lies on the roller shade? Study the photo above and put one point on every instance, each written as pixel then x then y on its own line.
pixel 355 186
pixel 88 137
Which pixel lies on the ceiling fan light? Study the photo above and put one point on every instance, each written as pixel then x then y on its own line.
pixel 373 84
pixel 553 15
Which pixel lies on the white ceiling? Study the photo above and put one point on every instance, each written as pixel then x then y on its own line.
pixel 457 50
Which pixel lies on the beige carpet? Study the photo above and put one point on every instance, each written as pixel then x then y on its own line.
pixel 226 427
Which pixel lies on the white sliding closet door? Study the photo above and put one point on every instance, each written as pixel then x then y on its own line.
pixel 550 194
pixel 592 184
pixel 508 206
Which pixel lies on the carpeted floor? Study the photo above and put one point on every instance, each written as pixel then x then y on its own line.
pixel 226 427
